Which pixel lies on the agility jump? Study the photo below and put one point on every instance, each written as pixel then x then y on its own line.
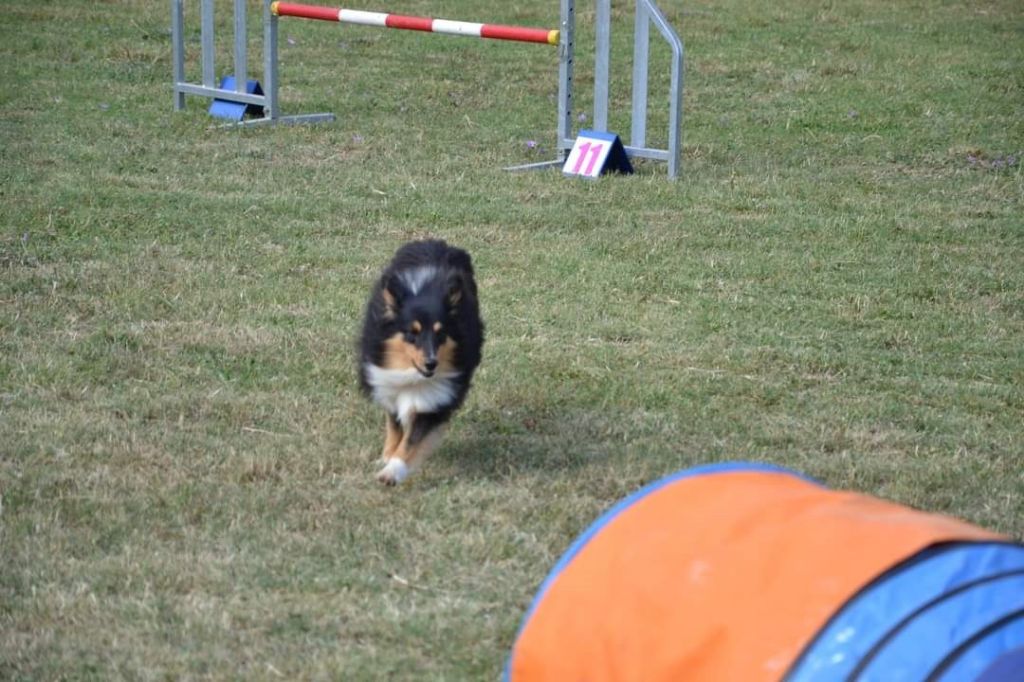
pixel 408 23
pixel 240 95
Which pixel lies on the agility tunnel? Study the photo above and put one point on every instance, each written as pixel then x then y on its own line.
pixel 744 572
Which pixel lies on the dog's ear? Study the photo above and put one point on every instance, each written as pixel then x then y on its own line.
pixel 393 292
pixel 456 288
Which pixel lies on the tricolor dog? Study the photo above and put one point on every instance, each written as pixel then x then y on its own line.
pixel 420 345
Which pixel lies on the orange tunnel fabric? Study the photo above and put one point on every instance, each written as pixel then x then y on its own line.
pixel 718 574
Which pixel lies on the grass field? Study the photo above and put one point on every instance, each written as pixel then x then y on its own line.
pixel 836 284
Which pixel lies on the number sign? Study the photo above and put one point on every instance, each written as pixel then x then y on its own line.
pixel 594 152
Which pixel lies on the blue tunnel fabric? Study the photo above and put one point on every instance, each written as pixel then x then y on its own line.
pixel 1010 666
pixel 905 623
pixel 975 661
pixel 923 643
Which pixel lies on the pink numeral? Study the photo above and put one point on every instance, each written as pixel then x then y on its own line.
pixel 596 149
pixel 585 148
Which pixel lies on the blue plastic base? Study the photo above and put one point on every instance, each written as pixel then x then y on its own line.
pixel 236 111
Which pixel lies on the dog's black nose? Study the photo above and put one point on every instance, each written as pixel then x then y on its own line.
pixel 430 365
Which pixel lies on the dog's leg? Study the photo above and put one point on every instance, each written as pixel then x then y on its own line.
pixel 392 437
pixel 421 438
pixel 427 433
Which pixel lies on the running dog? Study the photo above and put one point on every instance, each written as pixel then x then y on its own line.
pixel 421 342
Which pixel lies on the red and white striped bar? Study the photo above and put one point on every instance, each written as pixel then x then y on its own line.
pixel 458 28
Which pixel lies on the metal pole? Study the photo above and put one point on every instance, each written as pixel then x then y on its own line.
pixel 209 74
pixel 178 51
pixel 602 56
pixel 675 120
pixel 675 116
pixel 270 109
pixel 566 56
pixel 406 22
pixel 641 54
pixel 241 65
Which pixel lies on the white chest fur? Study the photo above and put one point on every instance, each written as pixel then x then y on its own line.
pixel 405 391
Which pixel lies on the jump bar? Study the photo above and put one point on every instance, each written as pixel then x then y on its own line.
pixel 459 28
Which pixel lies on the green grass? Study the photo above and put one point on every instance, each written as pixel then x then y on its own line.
pixel 186 467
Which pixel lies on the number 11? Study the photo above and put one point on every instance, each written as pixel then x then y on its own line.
pixel 585 148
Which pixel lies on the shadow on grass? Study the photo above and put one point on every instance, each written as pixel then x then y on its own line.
pixel 499 445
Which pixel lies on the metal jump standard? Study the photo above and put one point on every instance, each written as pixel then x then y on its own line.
pixel 238 94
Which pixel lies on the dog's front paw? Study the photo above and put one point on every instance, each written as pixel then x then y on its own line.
pixel 393 473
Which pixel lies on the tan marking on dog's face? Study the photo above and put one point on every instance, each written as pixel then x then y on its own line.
pixel 437 327
pixel 416 327
pixel 400 354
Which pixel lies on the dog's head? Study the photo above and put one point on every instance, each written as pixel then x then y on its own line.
pixel 423 307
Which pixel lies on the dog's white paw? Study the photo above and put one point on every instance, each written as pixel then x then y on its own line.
pixel 393 473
